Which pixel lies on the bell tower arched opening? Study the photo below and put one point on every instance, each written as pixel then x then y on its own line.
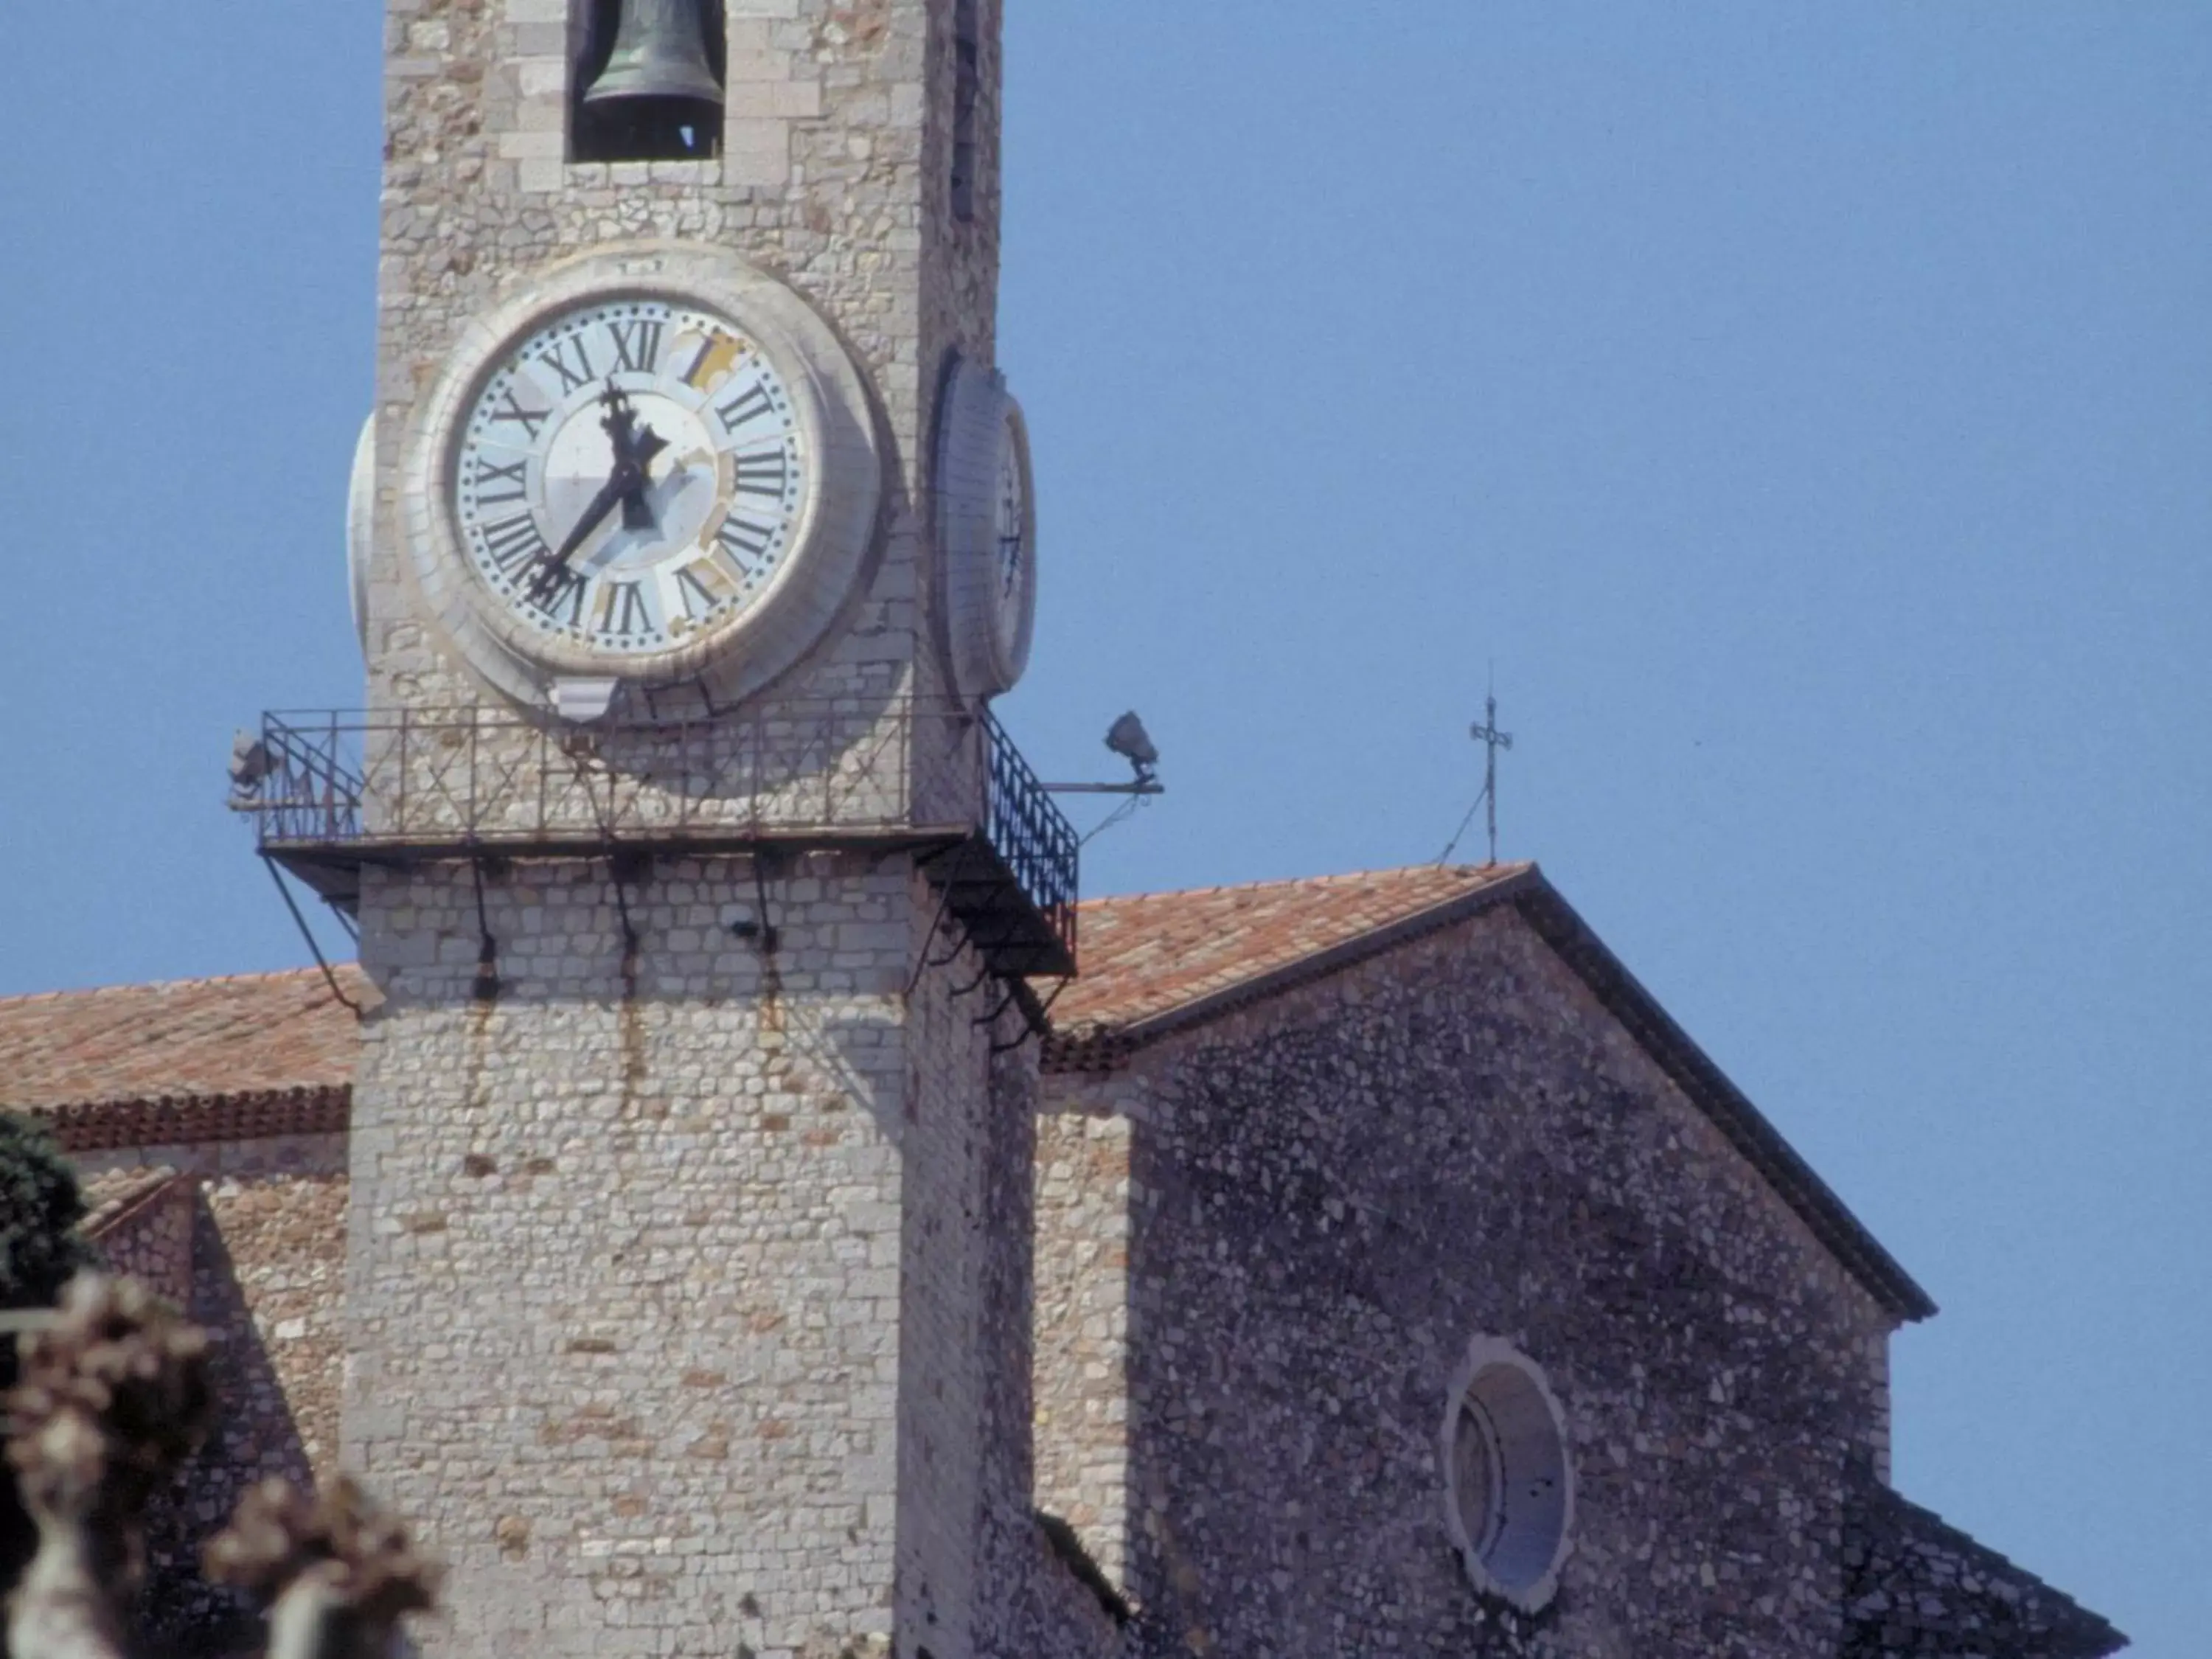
pixel 647 80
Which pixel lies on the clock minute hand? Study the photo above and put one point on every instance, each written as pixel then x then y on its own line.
pixel 635 446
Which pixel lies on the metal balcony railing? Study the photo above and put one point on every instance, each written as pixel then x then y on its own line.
pixel 336 789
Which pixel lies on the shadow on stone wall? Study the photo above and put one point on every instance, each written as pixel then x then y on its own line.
pixel 254 1437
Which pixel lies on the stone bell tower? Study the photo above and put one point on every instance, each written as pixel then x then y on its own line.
pixel 686 1266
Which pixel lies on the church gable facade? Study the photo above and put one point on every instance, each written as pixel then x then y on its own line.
pixel 1284 1199
pixel 1336 1189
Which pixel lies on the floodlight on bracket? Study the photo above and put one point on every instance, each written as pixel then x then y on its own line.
pixel 1126 738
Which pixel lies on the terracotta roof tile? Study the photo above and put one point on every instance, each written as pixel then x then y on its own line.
pixel 199 1120
pixel 254 1035
pixel 1153 953
pixel 110 1196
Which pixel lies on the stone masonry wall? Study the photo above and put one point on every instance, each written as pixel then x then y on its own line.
pixel 945 1476
pixel 1082 1178
pixel 625 1266
pixel 268 1260
pixel 250 1243
pixel 1917 1589
pixel 268 1276
pixel 974 1578
pixel 1033 1604
pixel 959 311
pixel 1331 1193
pixel 272 1158
pixel 152 1242
pixel 262 1266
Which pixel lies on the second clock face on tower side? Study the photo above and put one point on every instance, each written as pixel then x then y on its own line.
pixel 987 531
pixel 630 476
pixel 1013 601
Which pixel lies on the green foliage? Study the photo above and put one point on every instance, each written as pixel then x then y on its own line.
pixel 40 1209
pixel 39 1249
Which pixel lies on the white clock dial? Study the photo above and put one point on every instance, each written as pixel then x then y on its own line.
pixel 631 476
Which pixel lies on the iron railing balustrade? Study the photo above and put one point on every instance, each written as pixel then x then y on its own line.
pixel 346 787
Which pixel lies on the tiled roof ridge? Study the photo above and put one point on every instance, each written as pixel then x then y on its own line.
pixel 97 1126
pixel 137 1197
pixel 1713 1092
pixel 1095 1044
pixel 139 988
pixel 1341 878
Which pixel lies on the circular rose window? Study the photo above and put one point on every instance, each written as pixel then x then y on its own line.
pixel 1510 1489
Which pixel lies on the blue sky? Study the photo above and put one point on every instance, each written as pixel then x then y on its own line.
pixel 1804 407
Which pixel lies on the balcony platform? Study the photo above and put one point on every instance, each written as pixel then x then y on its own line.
pixel 341 791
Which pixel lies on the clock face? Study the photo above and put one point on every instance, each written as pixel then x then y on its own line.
pixel 1009 608
pixel 630 478
pixel 987 531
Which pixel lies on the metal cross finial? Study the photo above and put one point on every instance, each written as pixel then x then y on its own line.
pixel 1492 740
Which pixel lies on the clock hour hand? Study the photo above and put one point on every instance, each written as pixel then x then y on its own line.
pixel 610 495
pixel 637 511
pixel 635 447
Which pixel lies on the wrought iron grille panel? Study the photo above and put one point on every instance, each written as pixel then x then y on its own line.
pixel 1026 827
pixel 363 786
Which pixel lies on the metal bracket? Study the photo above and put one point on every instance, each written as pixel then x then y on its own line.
pixel 624 867
pixel 1004 1003
pixel 300 922
pixel 925 962
pixel 486 988
pixel 770 938
pixel 1036 1017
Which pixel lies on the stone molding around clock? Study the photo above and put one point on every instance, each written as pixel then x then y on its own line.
pixel 1509 1475
pixel 839 538
pixel 360 529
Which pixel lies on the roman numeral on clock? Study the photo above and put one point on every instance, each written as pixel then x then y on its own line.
pixel 556 357
pixel 637 343
pixel 746 543
pixel 749 405
pixel 531 420
pixel 700 597
pixel 765 473
pixel 621 609
pixel 512 543
pixel 511 477
pixel 557 593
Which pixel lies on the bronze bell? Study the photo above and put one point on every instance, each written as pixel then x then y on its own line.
pixel 661 52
